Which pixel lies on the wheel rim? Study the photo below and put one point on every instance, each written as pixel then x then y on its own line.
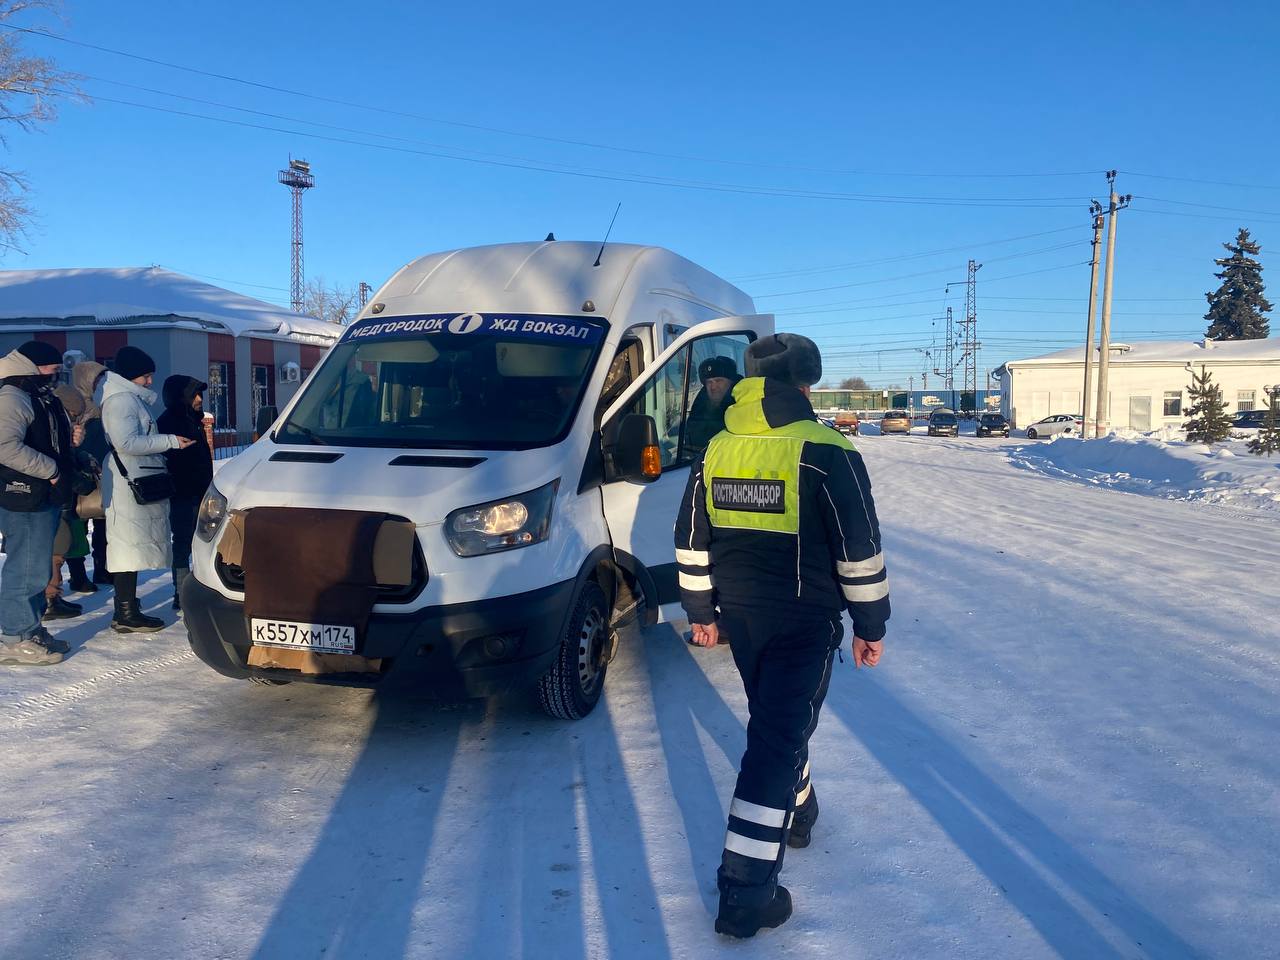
pixel 590 644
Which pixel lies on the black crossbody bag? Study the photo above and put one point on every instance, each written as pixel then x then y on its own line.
pixel 153 489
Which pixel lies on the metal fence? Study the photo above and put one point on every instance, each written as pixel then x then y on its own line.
pixel 227 443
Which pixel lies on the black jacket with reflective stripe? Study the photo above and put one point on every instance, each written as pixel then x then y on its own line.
pixel 832 561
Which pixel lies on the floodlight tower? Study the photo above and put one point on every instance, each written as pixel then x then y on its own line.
pixel 297 177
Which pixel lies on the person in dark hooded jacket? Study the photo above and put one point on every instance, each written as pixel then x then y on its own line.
pixel 191 468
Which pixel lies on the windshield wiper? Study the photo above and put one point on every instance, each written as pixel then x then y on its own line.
pixel 308 433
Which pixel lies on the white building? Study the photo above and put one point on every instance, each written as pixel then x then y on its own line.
pixel 251 353
pixel 1147 382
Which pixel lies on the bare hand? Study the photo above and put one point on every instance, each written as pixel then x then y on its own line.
pixel 77 435
pixel 706 635
pixel 184 442
pixel 866 653
pixel 54 479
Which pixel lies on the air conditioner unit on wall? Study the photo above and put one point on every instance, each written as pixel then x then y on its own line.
pixel 290 372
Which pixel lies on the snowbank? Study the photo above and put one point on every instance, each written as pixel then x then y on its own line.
pixel 1161 466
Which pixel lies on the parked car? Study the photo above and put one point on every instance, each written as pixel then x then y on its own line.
pixel 847 423
pixel 1248 420
pixel 991 424
pixel 1058 423
pixel 896 421
pixel 944 425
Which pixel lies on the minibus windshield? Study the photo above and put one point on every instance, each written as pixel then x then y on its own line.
pixel 465 381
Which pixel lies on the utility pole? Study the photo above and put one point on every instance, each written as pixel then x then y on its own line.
pixel 1115 204
pixel 365 290
pixel 1095 211
pixel 971 345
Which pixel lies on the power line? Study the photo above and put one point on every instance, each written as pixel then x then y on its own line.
pixel 187 68
pixel 907 276
pixel 1213 183
pixel 711 186
pixel 908 256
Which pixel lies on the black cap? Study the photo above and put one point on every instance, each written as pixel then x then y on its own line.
pixel 131 363
pixel 717 367
pixel 789 357
pixel 40 353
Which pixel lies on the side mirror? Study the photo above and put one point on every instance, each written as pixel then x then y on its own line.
pixel 266 417
pixel 636 454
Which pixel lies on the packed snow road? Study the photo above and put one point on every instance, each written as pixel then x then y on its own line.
pixel 1068 750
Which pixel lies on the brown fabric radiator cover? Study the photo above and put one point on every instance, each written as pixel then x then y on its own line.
pixel 310 566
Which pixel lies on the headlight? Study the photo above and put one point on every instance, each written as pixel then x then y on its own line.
pixel 503 524
pixel 213 511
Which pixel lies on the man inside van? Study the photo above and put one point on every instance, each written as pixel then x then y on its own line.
pixel 776 538
pixel 718 375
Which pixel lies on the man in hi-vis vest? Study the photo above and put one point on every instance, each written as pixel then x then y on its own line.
pixel 778 531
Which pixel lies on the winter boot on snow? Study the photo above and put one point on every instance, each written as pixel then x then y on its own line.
pixel 743 920
pixel 80 582
pixel 59 609
pixel 27 653
pixel 179 574
pixel 129 618
pixel 806 816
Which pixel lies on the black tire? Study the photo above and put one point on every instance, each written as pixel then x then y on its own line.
pixel 269 681
pixel 572 687
pixel 1031 434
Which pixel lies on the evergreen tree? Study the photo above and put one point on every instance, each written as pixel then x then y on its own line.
pixel 1236 308
pixel 1268 438
pixel 1207 420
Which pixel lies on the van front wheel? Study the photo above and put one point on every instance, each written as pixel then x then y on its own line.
pixel 572 687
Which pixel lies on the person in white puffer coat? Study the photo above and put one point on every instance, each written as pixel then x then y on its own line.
pixel 137 534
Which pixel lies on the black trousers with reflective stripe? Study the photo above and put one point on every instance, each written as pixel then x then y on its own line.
pixel 785 665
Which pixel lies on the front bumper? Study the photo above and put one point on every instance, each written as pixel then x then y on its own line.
pixel 465 650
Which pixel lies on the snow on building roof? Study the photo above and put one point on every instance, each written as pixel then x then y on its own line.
pixel 62 299
pixel 1169 351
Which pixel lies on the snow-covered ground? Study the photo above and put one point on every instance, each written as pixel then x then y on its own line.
pixel 1162 465
pixel 1068 750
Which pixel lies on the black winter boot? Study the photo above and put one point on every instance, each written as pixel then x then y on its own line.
pixel 179 574
pixel 743 921
pixel 806 816
pixel 59 609
pixel 129 618
pixel 80 582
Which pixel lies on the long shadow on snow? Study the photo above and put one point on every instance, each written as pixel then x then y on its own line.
pixel 683 700
pixel 355 894
pixel 100 607
pixel 978 815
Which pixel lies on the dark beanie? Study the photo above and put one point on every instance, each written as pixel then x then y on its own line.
pixel 132 363
pixel 40 353
pixel 785 356
pixel 717 367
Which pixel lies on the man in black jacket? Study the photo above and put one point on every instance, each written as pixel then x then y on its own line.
pixel 779 532
pixel 191 467
pixel 37 478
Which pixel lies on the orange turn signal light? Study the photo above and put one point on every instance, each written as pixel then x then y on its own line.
pixel 651 461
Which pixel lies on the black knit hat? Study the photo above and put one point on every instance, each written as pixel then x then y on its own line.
pixel 40 353
pixel 131 363
pixel 717 367
pixel 785 356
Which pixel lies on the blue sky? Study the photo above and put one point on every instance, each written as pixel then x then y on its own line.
pixel 1016 107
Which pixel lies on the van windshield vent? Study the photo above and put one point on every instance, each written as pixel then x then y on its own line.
pixel 304 456
pixel 411 460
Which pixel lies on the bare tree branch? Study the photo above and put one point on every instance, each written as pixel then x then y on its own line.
pixel 29 89
pixel 333 304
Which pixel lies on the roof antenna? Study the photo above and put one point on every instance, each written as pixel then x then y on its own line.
pixel 606 234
